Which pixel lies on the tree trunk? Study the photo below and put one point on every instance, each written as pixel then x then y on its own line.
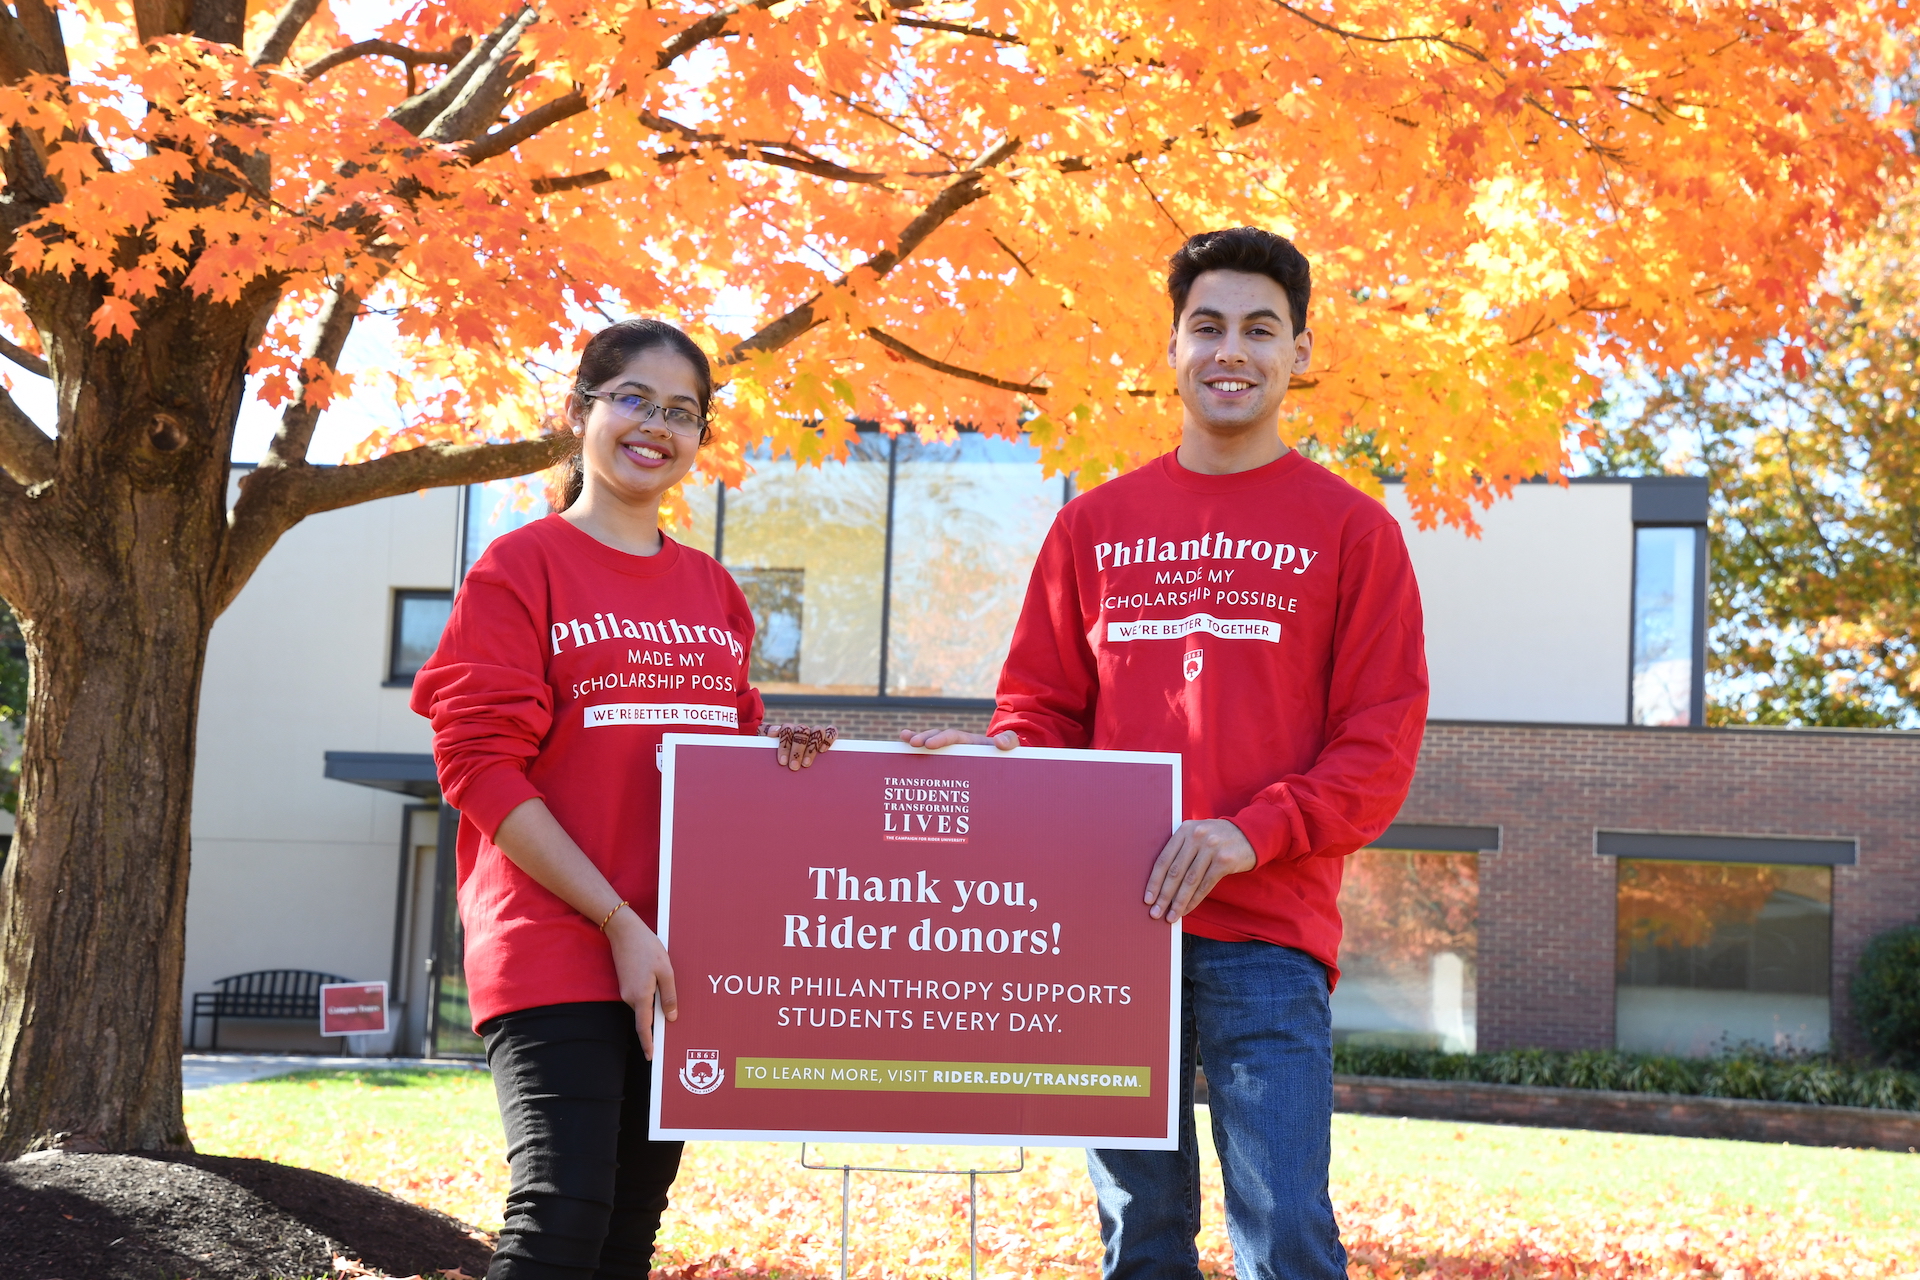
pixel 117 558
pixel 95 890
pixel 114 565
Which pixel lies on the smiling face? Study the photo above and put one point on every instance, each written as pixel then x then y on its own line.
pixel 636 462
pixel 1234 351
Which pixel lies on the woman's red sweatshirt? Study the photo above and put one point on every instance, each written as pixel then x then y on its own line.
pixel 563 663
pixel 1266 625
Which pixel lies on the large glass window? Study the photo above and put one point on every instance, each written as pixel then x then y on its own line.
pixel 1715 955
pixel 1664 644
pixel 899 570
pixel 968 521
pixel 808 546
pixel 497 507
pixel 1409 954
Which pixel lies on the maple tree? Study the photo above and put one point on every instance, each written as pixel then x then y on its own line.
pixel 1814 461
pixel 937 210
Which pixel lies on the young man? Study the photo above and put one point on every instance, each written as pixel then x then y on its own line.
pixel 1239 604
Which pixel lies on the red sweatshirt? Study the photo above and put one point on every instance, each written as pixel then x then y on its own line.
pixel 1266 625
pixel 563 663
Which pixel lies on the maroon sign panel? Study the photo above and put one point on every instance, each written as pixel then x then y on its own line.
pixel 353 1008
pixel 912 946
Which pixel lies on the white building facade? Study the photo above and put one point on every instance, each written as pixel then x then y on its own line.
pixel 319 842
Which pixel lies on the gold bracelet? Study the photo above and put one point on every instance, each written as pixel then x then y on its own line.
pixel 611 914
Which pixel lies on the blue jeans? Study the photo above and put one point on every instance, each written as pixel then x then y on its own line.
pixel 1258 1017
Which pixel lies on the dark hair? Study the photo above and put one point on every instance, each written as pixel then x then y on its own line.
pixel 608 352
pixel 1248 249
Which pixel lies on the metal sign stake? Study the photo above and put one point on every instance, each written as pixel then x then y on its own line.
pixel 973 1200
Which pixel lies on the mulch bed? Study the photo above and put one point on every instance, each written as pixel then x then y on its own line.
pixel 155 1216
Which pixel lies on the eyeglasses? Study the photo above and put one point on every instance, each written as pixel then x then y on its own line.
pixel 631 408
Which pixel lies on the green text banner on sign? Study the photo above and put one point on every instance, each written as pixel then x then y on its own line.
pixel 941 1077
pixel 910 946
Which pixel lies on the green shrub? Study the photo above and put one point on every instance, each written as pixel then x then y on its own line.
pixel 1886 995
pixel 1746 1073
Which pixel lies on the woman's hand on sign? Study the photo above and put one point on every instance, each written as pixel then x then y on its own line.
pixel 1198 857
pixel 800 744
pixel 934 739
pixel 644 970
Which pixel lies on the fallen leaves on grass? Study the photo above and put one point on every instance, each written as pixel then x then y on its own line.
pixel 749 1211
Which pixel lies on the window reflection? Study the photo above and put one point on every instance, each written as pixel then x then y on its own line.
pixel 969 518
pixel 497 507
pixel 1715 955
pixel 1409 954
pixel 1663 621
pixel 808 546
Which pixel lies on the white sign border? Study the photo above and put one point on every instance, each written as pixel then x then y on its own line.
pixel 1174 1092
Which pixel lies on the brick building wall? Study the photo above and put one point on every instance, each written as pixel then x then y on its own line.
pixel 1547 899
pixel 1546 946
pixel 877 720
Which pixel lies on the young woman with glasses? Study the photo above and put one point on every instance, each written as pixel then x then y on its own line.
pixel 574 644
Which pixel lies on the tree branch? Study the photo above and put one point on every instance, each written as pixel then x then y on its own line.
pixel 384 49
pixel 287 26
pixel 508 136
pixel 26 452
pixel 763 152
pixel 956 196
pixel 1345 34
pixel 430 466
pixel 273 500
pixel 24 358
pixel 30 42
pixel 571 181
pixel 324 343
pixel 217 21
pixel 480 100
pixel 901 349
pixel 42 30
pixel 708 28
pixel 417 112
pixel 934 24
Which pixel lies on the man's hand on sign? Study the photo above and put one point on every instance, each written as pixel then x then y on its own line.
pixel 800 743
pixel 644 971
pixel 934 739
pixel 1198 856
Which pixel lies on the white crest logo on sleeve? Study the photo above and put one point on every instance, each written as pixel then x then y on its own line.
pixel 1190 662
pixel 703 1072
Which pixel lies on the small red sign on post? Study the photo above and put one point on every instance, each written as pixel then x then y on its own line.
pixel 353 1009
pixel 904 946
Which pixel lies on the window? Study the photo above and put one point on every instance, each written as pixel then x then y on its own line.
pixel 498 507
pixel 418 619
pixel 1713 955
pixel 1667 603
pixel 899 571
pixel 1410 950
pixel 808 546
pixel 969 518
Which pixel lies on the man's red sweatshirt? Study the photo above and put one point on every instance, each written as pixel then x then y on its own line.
pixel 562 665
pixel 1266 625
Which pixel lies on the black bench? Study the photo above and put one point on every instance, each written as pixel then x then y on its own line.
pixel 264 993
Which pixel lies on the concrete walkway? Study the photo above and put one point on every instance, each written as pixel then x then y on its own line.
pixel 205 1070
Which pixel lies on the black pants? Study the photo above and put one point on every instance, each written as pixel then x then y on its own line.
pixel 588 1187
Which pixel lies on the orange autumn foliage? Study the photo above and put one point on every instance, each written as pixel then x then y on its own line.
pixel 959 210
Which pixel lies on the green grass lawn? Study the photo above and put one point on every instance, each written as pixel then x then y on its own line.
pixel 435 1136
pixel 1546 1169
